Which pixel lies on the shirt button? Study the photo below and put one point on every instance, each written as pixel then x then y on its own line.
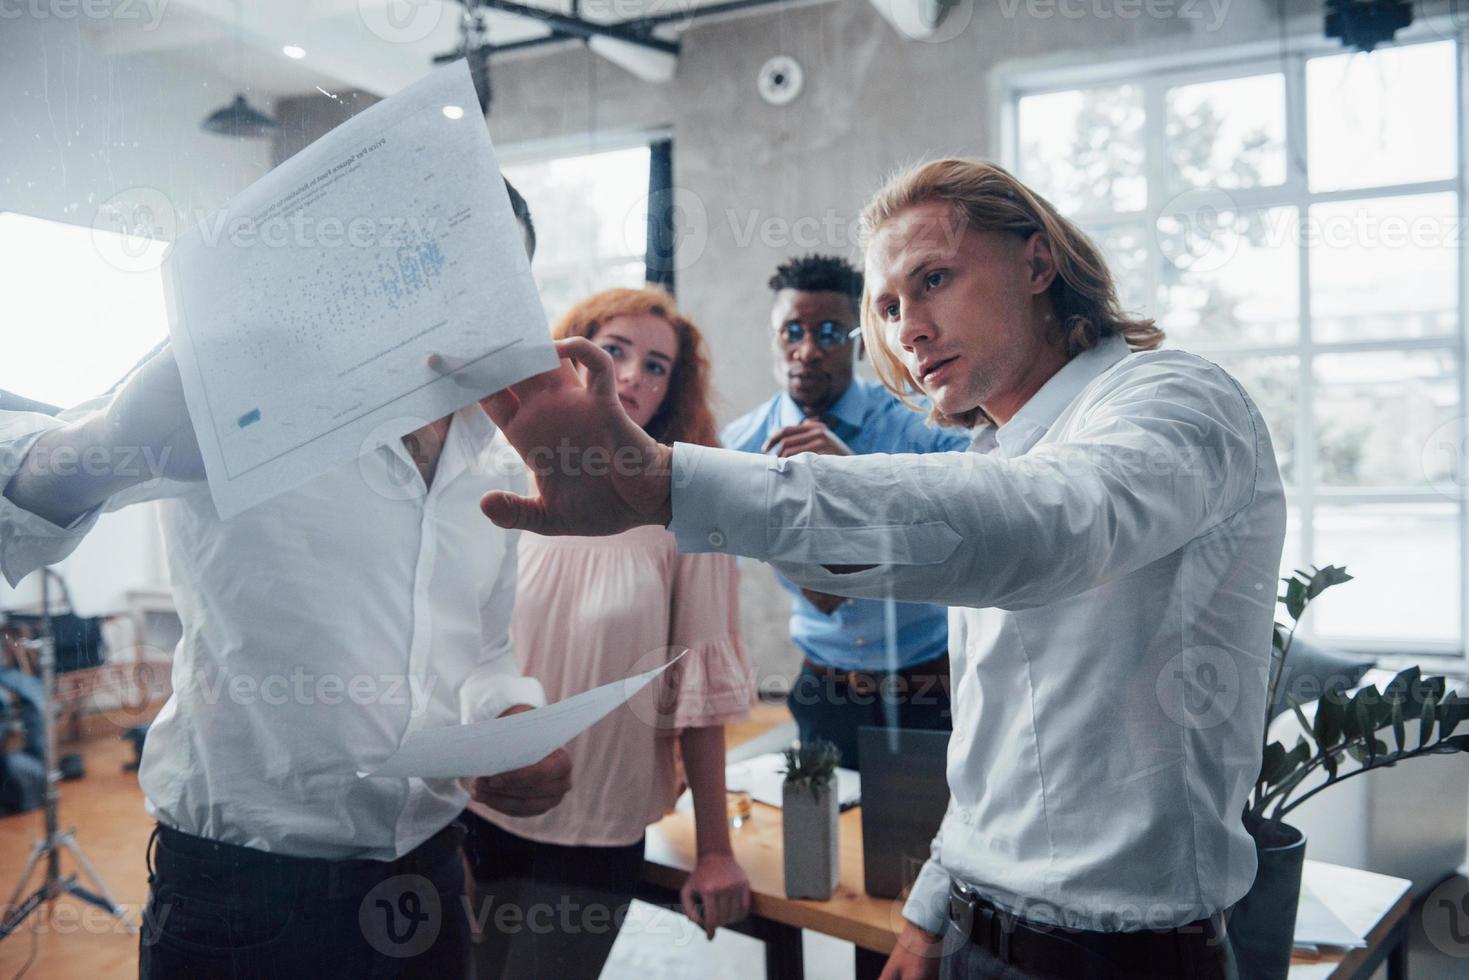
pixel 860 642
pixel 716 539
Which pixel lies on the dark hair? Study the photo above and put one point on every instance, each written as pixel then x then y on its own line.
pixel 522 214
pixel 819 274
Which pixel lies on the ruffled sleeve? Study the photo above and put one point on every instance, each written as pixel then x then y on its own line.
pixel 715 681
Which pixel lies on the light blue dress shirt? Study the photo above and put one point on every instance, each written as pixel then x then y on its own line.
pixel 857 636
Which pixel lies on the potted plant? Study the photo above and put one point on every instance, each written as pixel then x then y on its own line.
pixel 1338 741
pixel 809 821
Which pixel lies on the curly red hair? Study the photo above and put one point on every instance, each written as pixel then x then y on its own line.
pixel 686 414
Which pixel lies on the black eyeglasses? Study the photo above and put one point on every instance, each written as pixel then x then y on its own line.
pixel 828 334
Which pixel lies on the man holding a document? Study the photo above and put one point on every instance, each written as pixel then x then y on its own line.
pixel 321 627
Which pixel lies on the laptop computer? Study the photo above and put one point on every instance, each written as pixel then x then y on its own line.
pixel 904 796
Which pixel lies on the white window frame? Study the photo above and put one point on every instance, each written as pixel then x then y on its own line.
pixel 1155 74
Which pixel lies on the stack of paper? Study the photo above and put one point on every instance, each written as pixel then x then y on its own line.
pixel 1317 925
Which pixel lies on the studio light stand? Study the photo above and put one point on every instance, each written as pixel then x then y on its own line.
pixel 47 851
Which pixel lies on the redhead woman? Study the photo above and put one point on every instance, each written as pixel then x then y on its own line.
pixel 590 611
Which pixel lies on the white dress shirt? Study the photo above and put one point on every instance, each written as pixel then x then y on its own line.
pixel 1111 553
pixel 319 628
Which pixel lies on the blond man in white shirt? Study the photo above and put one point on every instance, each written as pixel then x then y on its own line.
pixel 320 628
pixel 1109 548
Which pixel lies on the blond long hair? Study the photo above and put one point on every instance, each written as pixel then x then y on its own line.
pixel 986 197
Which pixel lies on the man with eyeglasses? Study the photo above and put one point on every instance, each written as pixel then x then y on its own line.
pixel 866 661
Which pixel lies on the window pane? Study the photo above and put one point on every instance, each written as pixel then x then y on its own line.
pixel 1376 412
pixel 1381 118
pixel 1229 133
pixel 1126 250
pixel 1384 268
pixel 587 209
pixel 1405 561
pixel 1291 557
pixel 561 286
pixel 67 288
pixel 1083 149
pixel 1273 382
pixel 1229 278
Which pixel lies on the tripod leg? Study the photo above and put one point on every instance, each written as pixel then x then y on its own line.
pixel 106 900
pixel 37 849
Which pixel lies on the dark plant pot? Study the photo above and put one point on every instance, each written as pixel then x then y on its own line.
pixel 1262 925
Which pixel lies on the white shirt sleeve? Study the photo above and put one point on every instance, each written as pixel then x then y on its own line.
pixel 497 682
pixel 28 541
pixel 1161 454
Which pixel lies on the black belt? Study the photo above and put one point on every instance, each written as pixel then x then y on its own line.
pixel 182 856
pixel 1058 950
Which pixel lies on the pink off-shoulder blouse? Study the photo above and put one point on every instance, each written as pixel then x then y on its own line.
pixel 589 611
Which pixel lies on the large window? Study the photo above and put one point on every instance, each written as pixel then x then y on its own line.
pixel 1298 220
pixel 81 306
pixel 591 214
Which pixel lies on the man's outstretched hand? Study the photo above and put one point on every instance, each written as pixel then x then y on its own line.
pixel 596 471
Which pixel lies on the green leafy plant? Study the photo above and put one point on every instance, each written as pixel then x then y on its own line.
pixel 812 767
pixel 1417 713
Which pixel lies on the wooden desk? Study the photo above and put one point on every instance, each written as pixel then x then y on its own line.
pixel 870 924
pixel 1372 904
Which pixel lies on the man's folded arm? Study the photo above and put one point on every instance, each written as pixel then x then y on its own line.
pixel 1157 464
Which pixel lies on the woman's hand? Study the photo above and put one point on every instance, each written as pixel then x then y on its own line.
pixel 717 893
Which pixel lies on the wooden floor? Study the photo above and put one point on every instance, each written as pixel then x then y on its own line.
pixel 71 939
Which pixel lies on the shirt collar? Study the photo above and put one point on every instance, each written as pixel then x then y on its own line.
pixel 851 408
pixel 470 434
pixel 1036 416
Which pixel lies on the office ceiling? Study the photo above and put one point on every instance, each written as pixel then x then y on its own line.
pixel 374 45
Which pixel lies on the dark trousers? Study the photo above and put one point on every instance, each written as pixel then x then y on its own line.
pixel 830 706
pixel 980 946
pixel 967 961
pixel 222 911
pixel 547 910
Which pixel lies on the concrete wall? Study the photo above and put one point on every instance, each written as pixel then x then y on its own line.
pixel 758 184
